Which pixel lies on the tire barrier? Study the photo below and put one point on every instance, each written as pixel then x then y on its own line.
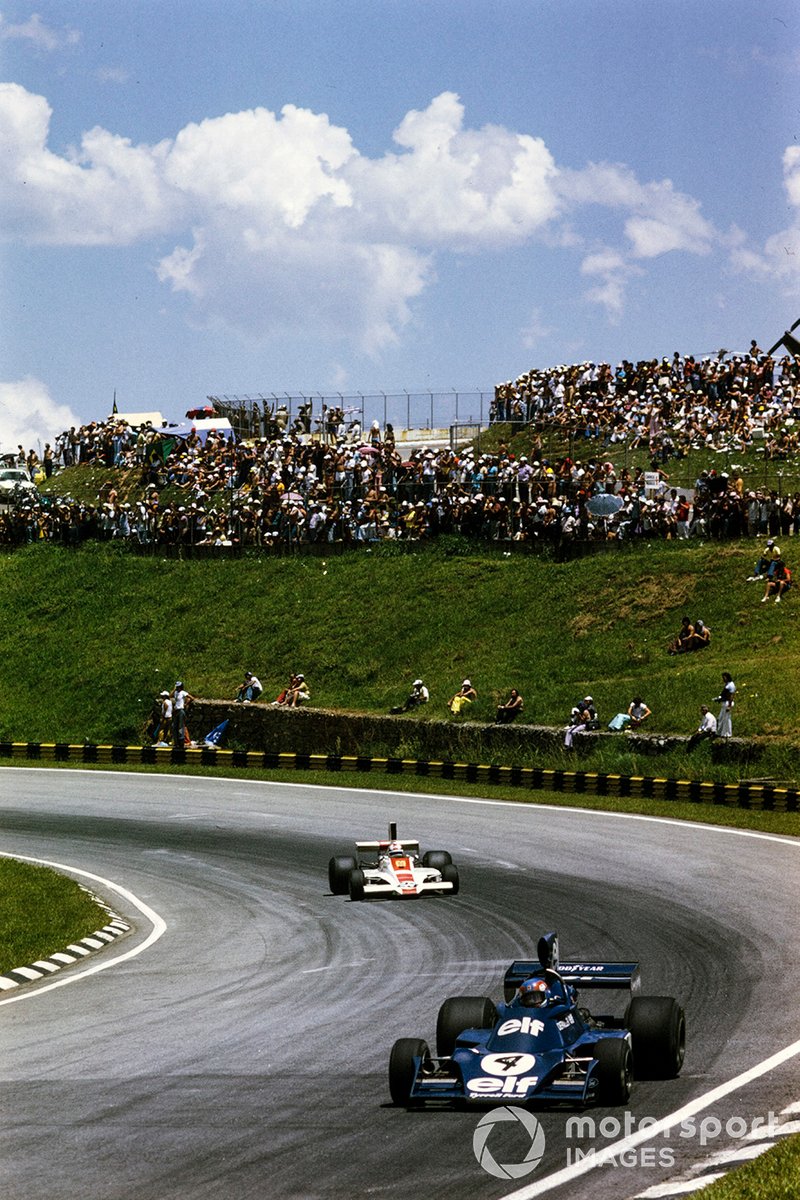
pixel 759 796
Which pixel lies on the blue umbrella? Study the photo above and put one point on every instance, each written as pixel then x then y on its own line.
pixel 605 505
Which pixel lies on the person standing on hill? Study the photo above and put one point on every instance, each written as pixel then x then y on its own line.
pixel 180 702
pixel 162 734
pixel 725 698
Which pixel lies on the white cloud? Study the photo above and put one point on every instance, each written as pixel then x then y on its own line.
pixel 281 224
pixel 29 416
pixel 42 36
pixel 612 270
pixel 779 260
pixel 107 193
pixel 456 187
pixel 536 329
pixel 657 218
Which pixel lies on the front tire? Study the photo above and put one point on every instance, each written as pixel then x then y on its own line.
pixel 614 1071
pixel 339 870
pixel 403 1060
pixel 657 1026
pixel 436 859
pixel 449 874
pixel 460 1013
pixel 355 885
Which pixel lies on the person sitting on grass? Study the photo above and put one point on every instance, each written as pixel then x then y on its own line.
pixel 296 693
pixel 418 696
pixel 638 712
pixel 580 724
pixel 683 642
pixel 701 637
pixel 508 712
pixel 585 706
pixel 706 729
pixel 250 690
pixel 778 582
pixel 765 567
pixel 465 695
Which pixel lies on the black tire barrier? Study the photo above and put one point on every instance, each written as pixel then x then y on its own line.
pixel 757 796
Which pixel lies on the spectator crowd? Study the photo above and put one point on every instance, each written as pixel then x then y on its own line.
pixel 343 486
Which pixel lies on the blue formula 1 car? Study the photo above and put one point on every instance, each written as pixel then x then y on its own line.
pixel 540 1046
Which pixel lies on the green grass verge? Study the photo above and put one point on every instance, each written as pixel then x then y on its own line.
pixel 90 637
pixel 41 912
pixel 773 1176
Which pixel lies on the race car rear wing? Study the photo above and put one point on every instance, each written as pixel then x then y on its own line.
pixel 412 847
pixel 579 974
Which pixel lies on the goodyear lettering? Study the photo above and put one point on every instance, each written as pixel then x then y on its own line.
pixel 529 1025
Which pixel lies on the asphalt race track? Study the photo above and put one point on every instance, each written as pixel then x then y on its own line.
pixel 244 1053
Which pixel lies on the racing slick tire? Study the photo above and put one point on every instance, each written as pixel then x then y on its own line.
pixel 657 1027
pixel 339 874
pixel 355 885
pixel 403 1069
pixel 460 1013
pixel 436 859
pixel 614 1071
pixel 449 874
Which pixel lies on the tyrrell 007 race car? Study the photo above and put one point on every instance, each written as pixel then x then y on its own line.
pixel 540 1046
pixel 392 868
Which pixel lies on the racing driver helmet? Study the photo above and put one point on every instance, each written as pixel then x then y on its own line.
pixel 395 849
pixel 533 993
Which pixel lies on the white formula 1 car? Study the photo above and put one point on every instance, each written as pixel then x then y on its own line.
pixel 392 868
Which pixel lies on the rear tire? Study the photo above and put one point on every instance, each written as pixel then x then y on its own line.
pixel 657 1026
pixel 355 885
pixel 436 859
pixel 339 874
pixel 449 874
pixel 403 1067
pixel 614 1071
pixel 460 1013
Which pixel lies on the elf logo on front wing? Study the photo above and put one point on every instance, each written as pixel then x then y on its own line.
pixel 530 1025
pixel 507 1064
pixel 485 1085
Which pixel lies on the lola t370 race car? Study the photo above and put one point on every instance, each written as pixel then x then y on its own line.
pixel 392 868
pixel 540 1046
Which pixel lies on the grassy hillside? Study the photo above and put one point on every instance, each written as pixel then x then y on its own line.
pixel 89 637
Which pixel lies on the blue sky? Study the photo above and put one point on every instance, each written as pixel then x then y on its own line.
pixel 374 196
